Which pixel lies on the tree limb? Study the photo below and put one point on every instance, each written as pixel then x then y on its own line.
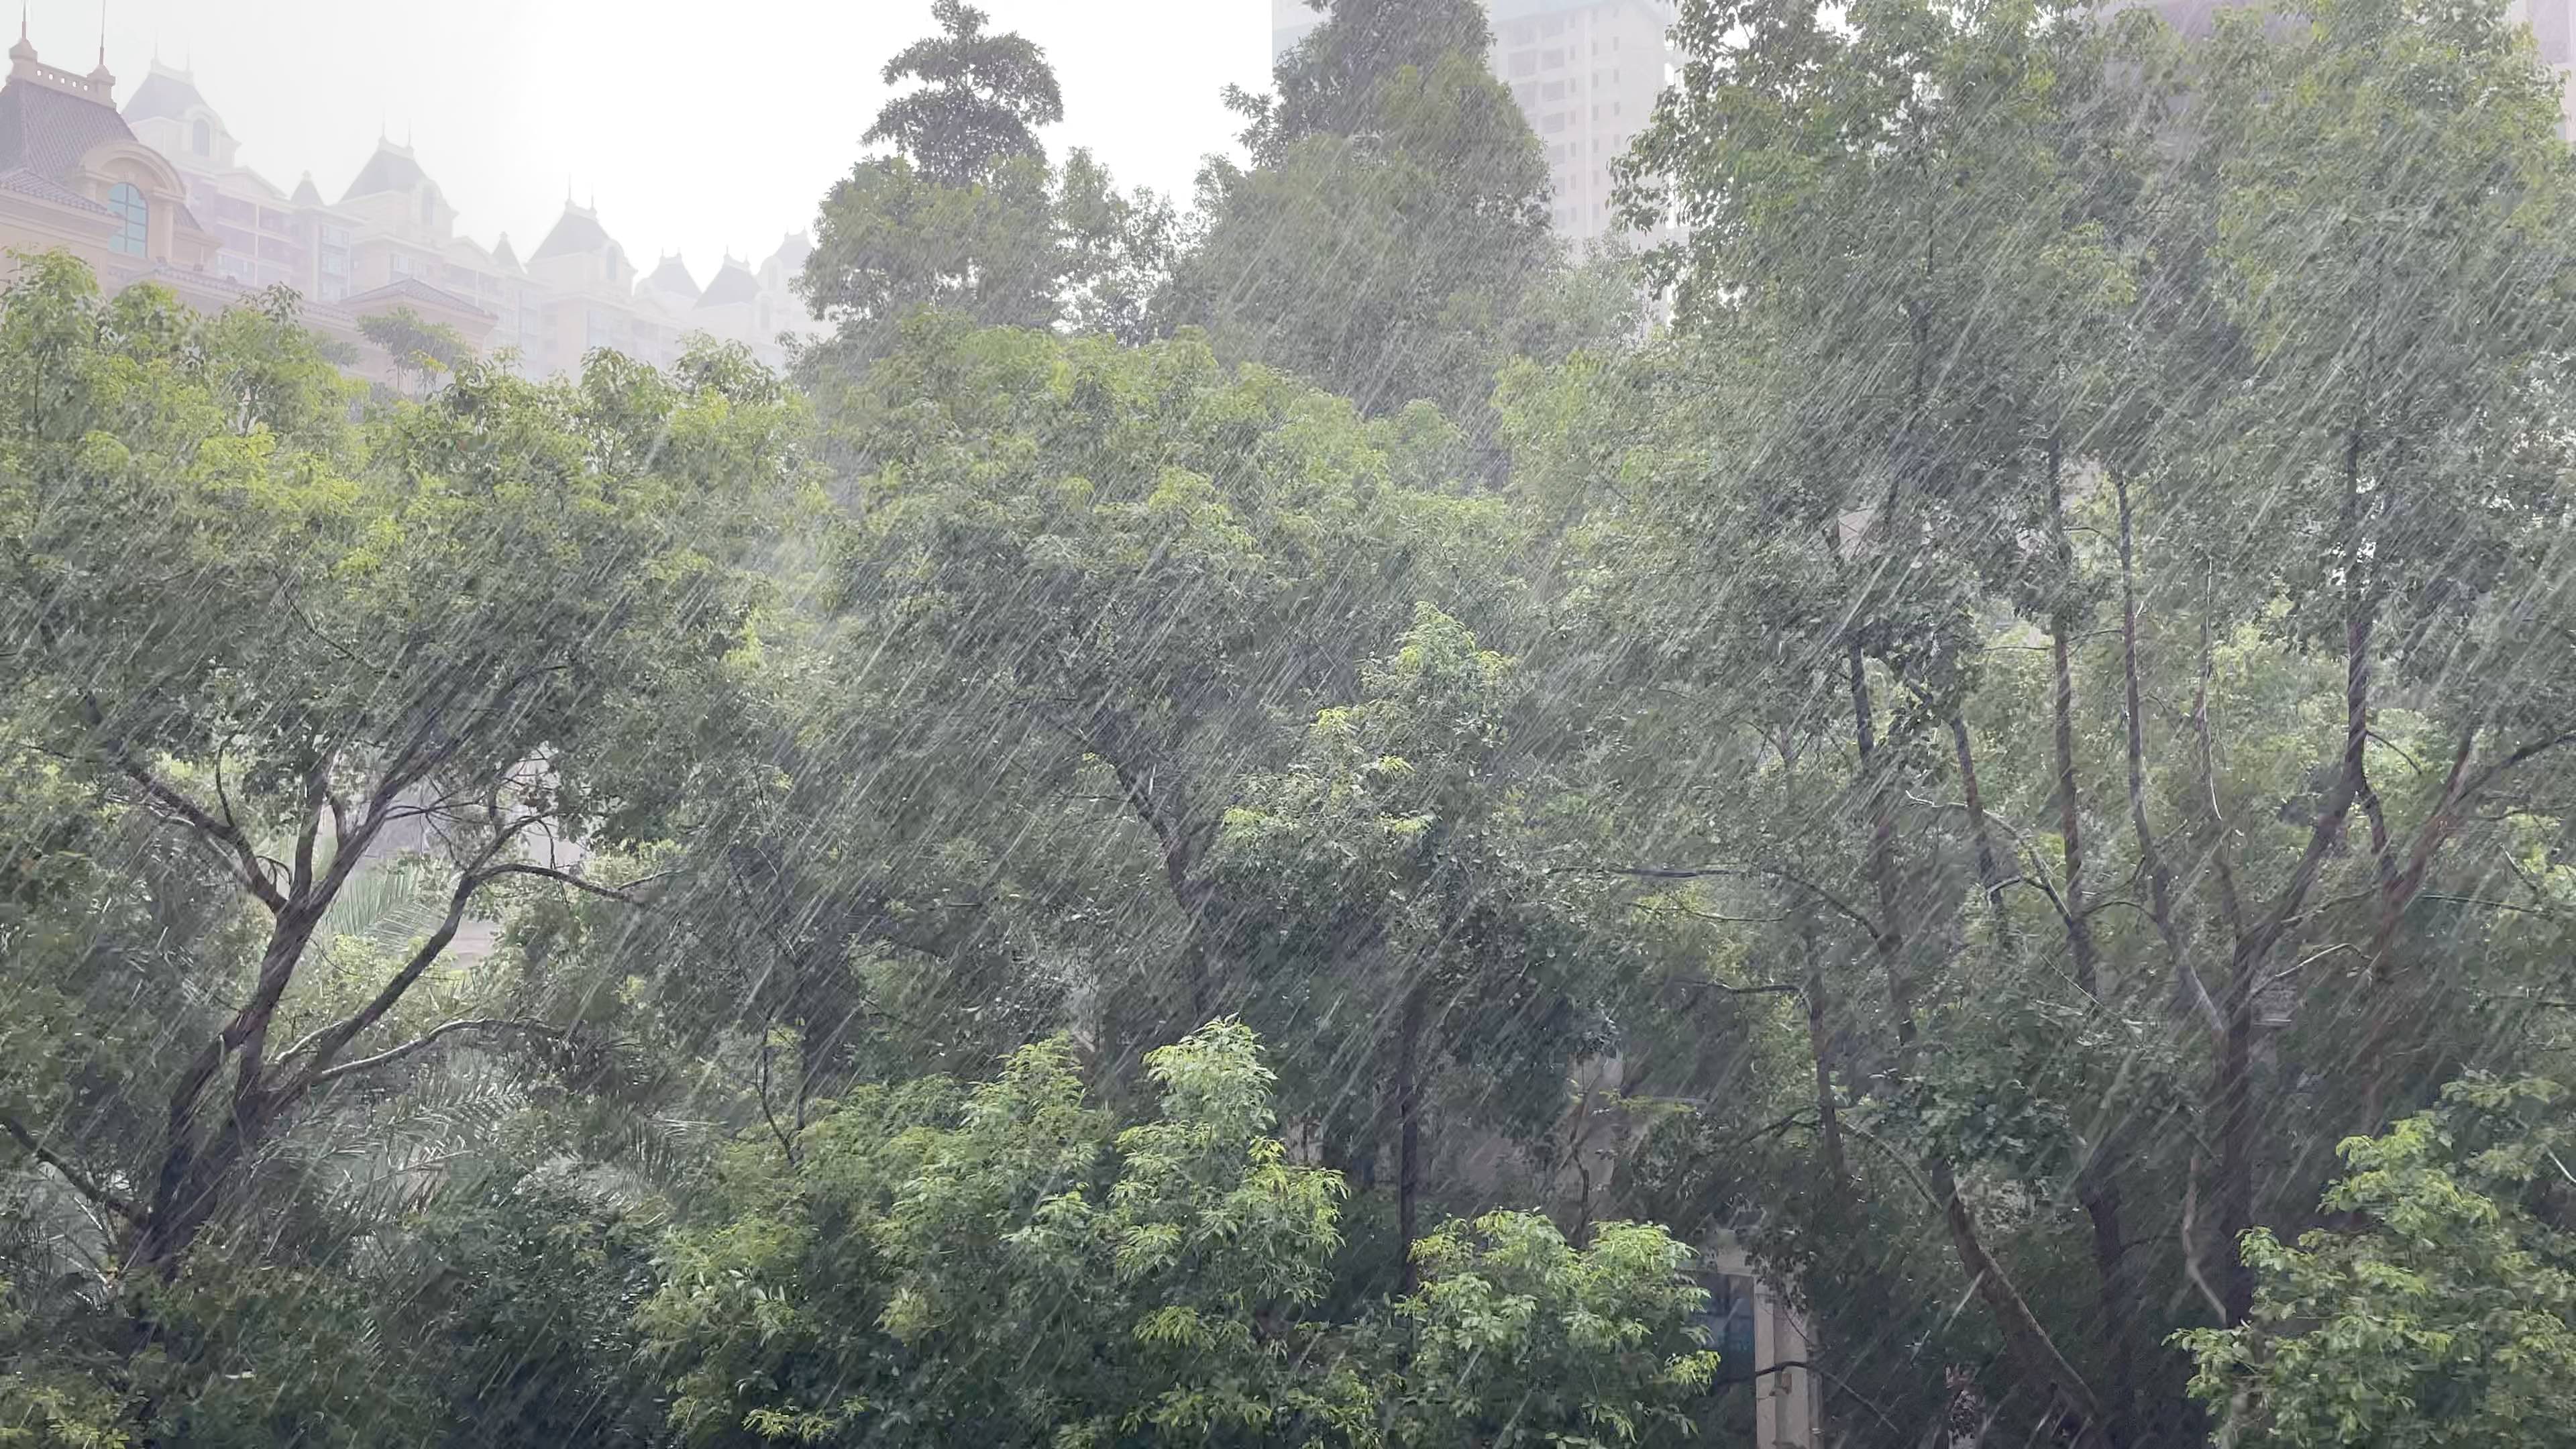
pixel 2524 754
pixel 2037 1354
pixel 1800 1364
pixel 222 834
pixel 326 1041
pixel 1766 988
pixel 431 1038
pixel 81 1182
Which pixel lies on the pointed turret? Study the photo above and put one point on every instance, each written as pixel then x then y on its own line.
pixel 734 285
pixel 579 250
pixel 671 285
pixel 392 168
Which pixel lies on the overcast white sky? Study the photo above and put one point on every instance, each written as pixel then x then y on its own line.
pixel 698 126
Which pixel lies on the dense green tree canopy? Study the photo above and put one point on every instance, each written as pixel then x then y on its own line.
pixel 1284 825
pixel 981 100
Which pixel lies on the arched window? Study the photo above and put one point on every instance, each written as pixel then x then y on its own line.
pixel 133 232
pixel 201 139
pixel 428 208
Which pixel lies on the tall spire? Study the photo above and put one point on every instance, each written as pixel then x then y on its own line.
pixel 102 81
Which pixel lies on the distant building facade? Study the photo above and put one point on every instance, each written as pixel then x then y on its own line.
pixel 1585 73
pixel 157 191
pixel 73 176
pixel 76 178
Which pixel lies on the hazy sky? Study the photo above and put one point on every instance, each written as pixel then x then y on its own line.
pixel 697 126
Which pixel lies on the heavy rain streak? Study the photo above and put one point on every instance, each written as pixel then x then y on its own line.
pixel 1747 723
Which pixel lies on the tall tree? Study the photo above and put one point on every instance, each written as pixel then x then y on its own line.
pixel 966 215
pixel 1393 218
pixel 982 98
pixel 453 626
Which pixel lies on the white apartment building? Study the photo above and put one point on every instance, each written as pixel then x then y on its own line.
pixel 1586 73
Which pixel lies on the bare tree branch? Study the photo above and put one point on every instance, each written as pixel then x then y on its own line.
pixel 433 1036
pixel 81 1182
pixel 326 1043
pixel 227 837
pixel 1763 988
pixel 2523 754
pixel 623 893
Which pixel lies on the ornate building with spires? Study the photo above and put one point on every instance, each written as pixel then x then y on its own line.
pixel 157 191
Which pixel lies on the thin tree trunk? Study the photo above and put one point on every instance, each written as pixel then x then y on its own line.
pixel 2097 1182
pixel 1885 940
pixel 2234 1109
pixel 2232 1093
pixel 2070 822
pixel 2034 1354
pixel 1408 1131
pixel 1990 875
pixel 1820 1036
pixel 2190 998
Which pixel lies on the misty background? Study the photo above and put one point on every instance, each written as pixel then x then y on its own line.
pixel 696 128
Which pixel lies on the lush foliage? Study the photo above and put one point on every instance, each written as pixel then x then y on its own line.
pixel 2447 1316
pixel 1282 826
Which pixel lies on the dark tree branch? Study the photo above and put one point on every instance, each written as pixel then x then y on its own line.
pixel 308 825
pixel 1847 1390
pixel 2522 755
pixel 81 1182
pixel 2037 1352
pixel 432 1037
pixel 624 893
pixel 1763 988
pixel 325 1044
pixel 225 836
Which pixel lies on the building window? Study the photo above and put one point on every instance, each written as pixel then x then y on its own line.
pixel 428 207
pixel 201 139
pixel 1726 1324
pixel 134 220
